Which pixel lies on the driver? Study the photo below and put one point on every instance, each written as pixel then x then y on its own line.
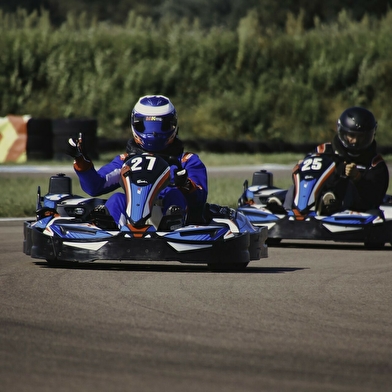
pixel 154 128
pixel 366 170
pixel 364 166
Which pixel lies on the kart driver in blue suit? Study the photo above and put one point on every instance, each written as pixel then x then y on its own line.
pixel 154 127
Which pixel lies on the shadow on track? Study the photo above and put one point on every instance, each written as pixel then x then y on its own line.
pixel 168 268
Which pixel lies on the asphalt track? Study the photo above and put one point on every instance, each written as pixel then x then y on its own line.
pixel 310 317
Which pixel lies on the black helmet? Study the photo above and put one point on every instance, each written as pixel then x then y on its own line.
pixel 356 128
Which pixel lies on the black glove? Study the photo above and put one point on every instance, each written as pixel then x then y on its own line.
pixel 74 148
pixel 180 177
pixel 211 211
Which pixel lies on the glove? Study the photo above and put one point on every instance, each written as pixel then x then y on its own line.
pixel 352 172
pixel 180 177
pixel 74 148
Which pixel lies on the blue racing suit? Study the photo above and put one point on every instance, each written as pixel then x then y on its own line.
pixel 191 197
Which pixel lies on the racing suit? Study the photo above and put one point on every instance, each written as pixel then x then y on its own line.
pixel 190 198
pixel 365 192
pixel 368 190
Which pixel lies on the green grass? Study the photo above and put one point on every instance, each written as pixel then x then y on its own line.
pixel 19 196
pixel 231 159
pixel 20 199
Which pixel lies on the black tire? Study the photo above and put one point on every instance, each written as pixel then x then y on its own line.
pixel 39 144
pixel 63 129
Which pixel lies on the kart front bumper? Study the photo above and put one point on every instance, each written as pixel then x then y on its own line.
pixel 238 249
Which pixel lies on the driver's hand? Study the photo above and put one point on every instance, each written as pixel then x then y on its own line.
pixel 74 148
pixel 180 177
pixel 352 171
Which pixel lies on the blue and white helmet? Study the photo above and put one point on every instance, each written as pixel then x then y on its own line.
pixel 154 122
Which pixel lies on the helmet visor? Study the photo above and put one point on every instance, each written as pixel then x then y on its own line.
pixel 154 124
pixel 356 140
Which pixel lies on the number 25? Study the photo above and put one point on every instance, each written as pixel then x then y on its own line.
pixel 312 164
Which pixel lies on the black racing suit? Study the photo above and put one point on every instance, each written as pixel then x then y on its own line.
pixel 369 190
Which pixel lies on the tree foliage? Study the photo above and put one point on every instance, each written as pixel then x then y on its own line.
pixel 256 81
pixel 209 12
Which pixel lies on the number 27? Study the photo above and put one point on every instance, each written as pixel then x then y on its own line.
pixel 136 163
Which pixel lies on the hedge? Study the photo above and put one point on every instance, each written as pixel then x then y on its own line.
pixel 248 84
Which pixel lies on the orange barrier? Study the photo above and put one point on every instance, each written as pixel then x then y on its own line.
pixel 13 138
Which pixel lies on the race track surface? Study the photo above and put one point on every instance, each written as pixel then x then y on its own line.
pixel 310 317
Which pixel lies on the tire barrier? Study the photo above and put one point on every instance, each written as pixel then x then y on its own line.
pixel 13 138
pixel 62 129
pixel 222 146
pixel 24 138
pixel 39 139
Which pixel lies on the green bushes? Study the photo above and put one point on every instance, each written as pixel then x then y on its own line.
pixel 250 83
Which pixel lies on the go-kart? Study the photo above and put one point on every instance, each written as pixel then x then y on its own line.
pixel 305 217
pixel 75 229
